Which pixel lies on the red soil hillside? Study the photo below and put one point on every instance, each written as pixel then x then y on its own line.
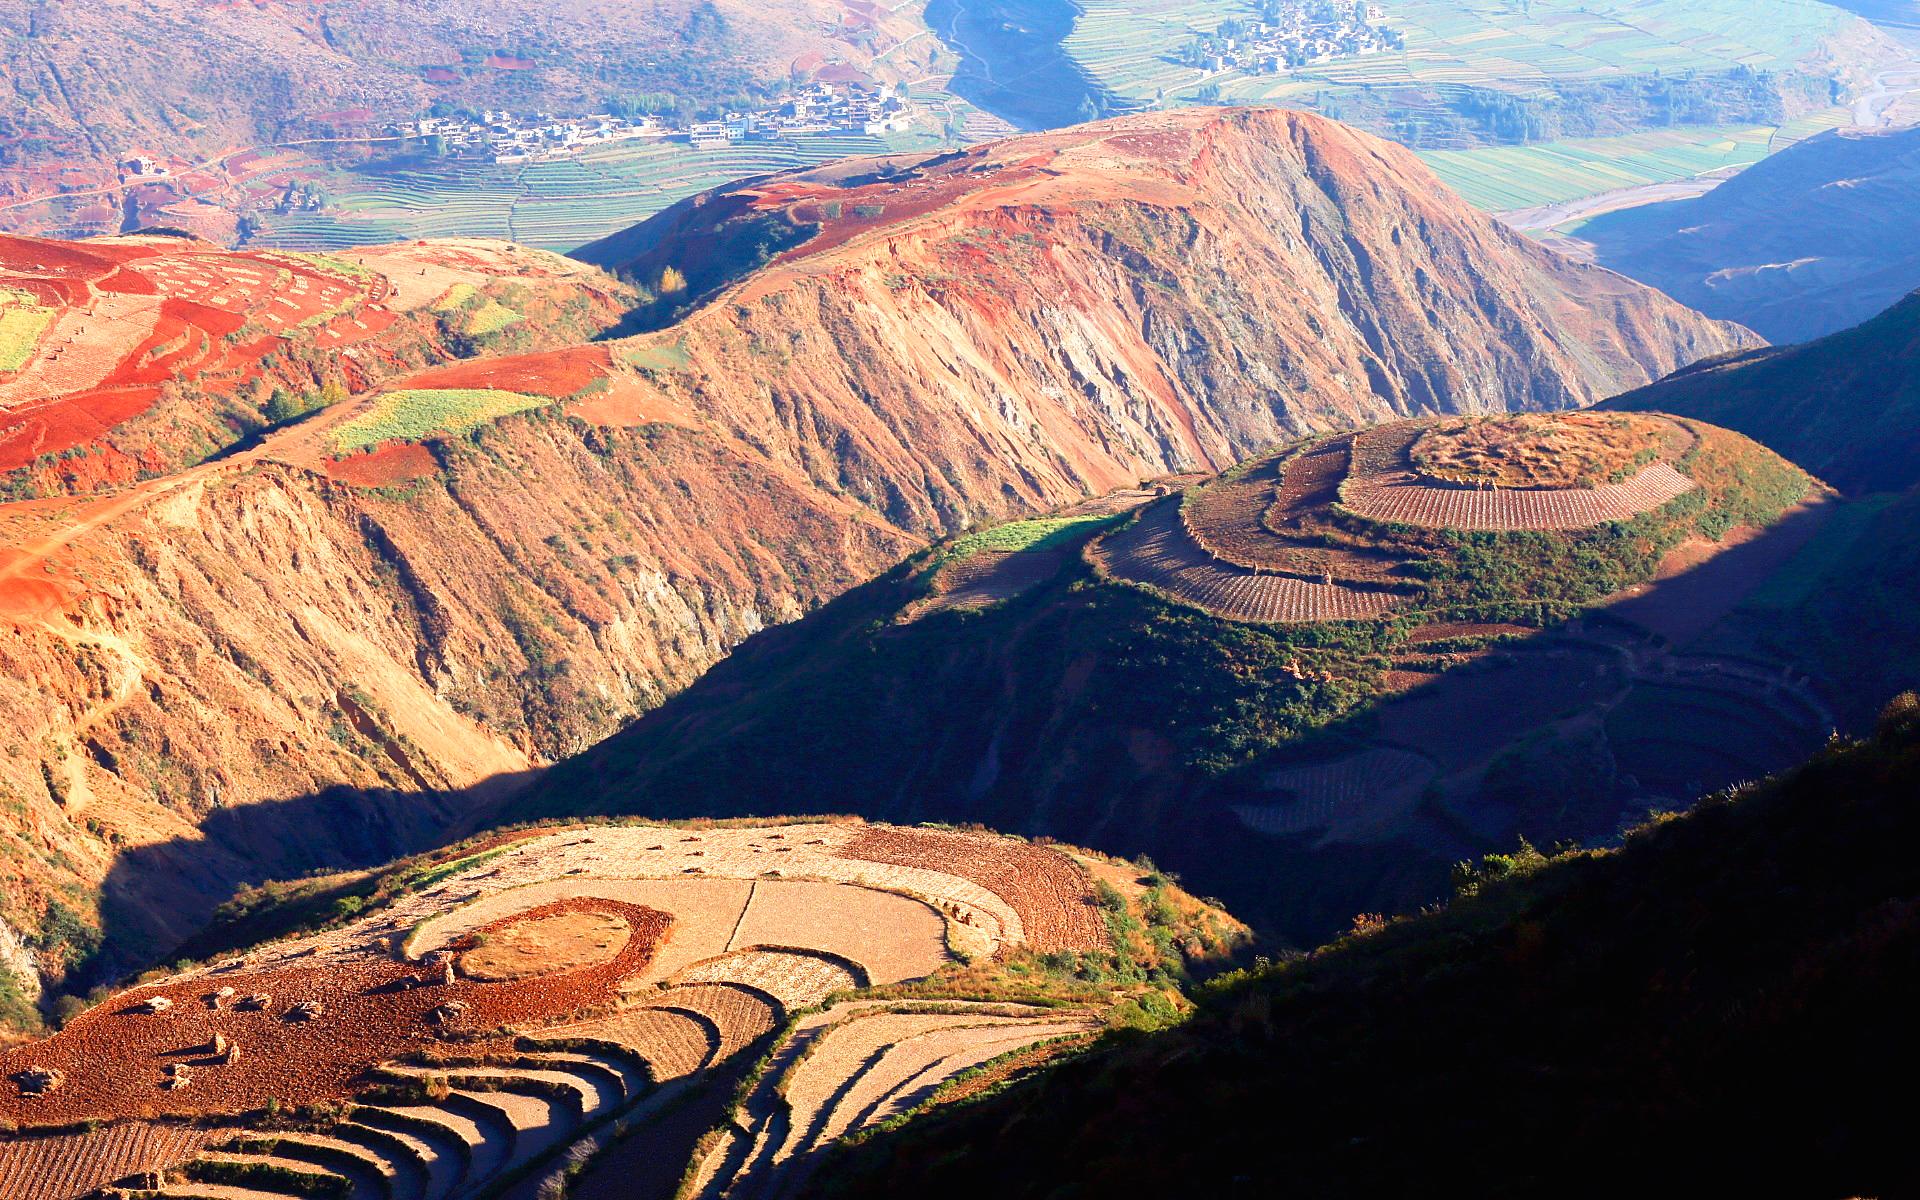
pixel 258 665
pixel 1196 284
pixel 143 354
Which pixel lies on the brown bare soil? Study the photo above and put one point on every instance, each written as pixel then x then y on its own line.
pixel 1052 894
pixel 554 373
pixel 1487 509
pixel 891 937
pixel 1157 551
pixel 742 1015
pixel 389 464
pixel 673 1043
pixel 114 1055
pixel 543 945
pixel 796 978
pixel 63 1165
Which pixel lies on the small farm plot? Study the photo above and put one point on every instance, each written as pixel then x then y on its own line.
pixel 416 413
pixel 890 936
pixel 23 323
pixel 62 1165
pixel 1508 509
pixel 1157 552
pixel 796 978
pixel 1501 178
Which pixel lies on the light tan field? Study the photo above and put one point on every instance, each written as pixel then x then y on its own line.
pixel 547 944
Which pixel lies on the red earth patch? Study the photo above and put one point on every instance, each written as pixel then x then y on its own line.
pixel 387 465
pixel 555 374
pixel 370 1011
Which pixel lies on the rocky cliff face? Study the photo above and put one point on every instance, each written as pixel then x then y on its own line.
pixel 286 659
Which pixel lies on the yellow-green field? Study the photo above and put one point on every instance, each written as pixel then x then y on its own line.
pixel 1501 178
pixel 415 414
pixel 1508 177
pixel 1515 44
pixel 22 324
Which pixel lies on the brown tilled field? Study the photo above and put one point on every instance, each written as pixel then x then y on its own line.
pixel 1157 551
pixel 1052 893
pixel 365 1008
pixel 57 1166
pixel 580 937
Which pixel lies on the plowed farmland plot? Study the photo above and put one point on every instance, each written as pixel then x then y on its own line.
pixel 922 1055
pixel 36 1167
pixel 1495 509
pixel 1157 552
pixel 674 1043
pixel 795 978
pixel 888 936
pixel 844 1072
pixel 740 1014
pixel 115 1057
pixel 1052 894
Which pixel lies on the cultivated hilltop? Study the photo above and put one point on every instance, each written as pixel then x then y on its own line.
pixel 1312 683
pixel 723 1001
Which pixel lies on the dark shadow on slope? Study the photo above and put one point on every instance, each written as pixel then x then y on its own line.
pixel 156 898
pixel 1102 716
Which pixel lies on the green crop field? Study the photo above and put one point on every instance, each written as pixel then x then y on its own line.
pixel 1509 177
pixel 555 205
pixel 412 415
pixel 1513 44
pixel 1043 533
pixel 22 322
pixel 1501 178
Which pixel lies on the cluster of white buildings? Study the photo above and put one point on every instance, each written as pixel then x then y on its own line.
pixel 1289 34
pixel 823 108
pixel 504 137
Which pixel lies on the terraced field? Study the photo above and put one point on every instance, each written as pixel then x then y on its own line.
pixel 529 994
pixel 1357 527
pixel 1158 552
pixel 852 1068
pixel 1510 509
pixel 1347 798
pixel 123 356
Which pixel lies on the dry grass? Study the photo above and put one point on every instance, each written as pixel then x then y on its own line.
pixel 547 944
pixel 1540 450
